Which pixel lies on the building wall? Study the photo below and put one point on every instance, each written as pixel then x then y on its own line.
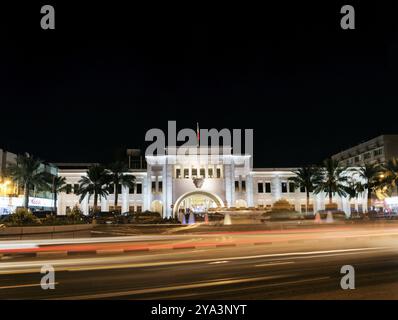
pixel 152 198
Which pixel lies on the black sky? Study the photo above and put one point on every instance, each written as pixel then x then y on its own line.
pixel 108 73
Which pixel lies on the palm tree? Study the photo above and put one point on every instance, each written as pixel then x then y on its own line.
pixel 58 184
pixel 26 171
pixel 118 177
pixel 307 178
pixel 94 183
pixel 369 175
pixel 390 174
pixel 333 180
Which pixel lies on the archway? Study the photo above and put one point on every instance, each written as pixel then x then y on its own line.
pixel 157 206
pixel 197 200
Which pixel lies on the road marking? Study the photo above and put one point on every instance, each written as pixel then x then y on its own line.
pixel 165 289
pixel 26 285
pixel 219 262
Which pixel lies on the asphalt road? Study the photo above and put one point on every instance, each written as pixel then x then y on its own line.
pixel 305 265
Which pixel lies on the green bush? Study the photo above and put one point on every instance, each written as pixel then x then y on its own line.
pixel 76 215
pixel 23 216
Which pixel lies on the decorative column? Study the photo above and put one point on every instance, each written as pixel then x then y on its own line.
pixel 104 204
pixel 84 206
pixel 125 199
pixel 146 189
pixel 276 188
pixel 249 190
pixel 346 206
pixel 232 184
pixel 168 189
pixel 228 185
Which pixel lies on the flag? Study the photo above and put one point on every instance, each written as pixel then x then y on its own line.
pixel 197 131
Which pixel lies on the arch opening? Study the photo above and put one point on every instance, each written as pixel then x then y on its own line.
pixel 197 202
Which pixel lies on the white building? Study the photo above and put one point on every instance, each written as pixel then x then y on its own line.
pixel 171 184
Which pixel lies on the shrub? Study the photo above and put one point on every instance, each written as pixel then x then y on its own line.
pixel 23 216
pixel 76 215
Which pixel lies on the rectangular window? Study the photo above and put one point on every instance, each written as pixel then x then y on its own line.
pixel 284 187
pixel 153 186
pixel 119 188
pixel 131 190
pixel 75 188
pixel 178 173
pixel 218 173
pixel 68 188
pixel 139 188
pixel 357 158
pixel 160 186
pixel 367 155
pixel 243 186
pixel 202 172
pixel 268 187
pixel 260 187
pixel 111 189
pixel 302 189
pixel 139 209
pixel 292 187
pixel 378 152
pixel 236 186
pixel 210 172
pixel 186 173
pixel 194 172
pixel 131 208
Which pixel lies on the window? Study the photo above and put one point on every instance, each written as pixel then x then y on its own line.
pixel 284 187
pixel 139 188
pixel 268 187
pixel 218 173
pixel 292 187
pixel 302 189
pixel 236 186
pixel 178 173
pixel 367 155
pixel 119 188
pixel 210 172
pixel 153 186
pixel 160 186
pixel 360 208
pixel 75 188
pixel 111 189
pixel 378 152
pixel 194 172
pixel 131 208
pixel 243 186
pixel 260 187
pixel 131 190
pixel 202 172
pixel 186 173
pixel 68 188
pixel 139 209
pixel 357 158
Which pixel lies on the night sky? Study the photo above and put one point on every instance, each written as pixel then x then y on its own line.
pixel 108 73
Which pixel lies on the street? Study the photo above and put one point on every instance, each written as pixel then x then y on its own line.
pixel 287 264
